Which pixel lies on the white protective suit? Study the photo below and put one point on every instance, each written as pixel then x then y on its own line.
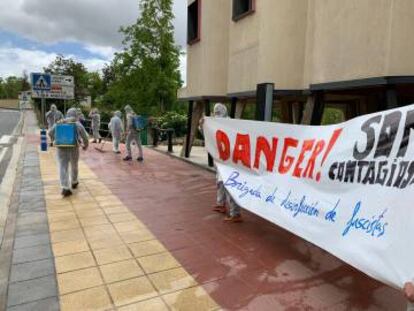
pixel 95 123
pixel 81 116
pixel 132 134
pixel 117 130
pixel 220 111
pixel 53 116
pixel 223 196
pixel 70 155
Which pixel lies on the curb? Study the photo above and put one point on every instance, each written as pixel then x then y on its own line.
pixel 7 185
pixel 10 176
pixel 210 169
pixel 19 127
pixel 7 240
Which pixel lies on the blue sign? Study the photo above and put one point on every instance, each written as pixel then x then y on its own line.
pixel 41 81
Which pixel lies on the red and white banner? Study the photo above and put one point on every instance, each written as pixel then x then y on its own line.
pixel 348 188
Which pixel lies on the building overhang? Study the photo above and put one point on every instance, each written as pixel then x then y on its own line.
pixel 341 86
pixel 362 83
pixel 204 98
pixel 242 95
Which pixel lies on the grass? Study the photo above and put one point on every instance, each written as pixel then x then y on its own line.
pixel 9 103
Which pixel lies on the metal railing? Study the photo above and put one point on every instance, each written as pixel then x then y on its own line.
pixel 158 134
pixel 87 124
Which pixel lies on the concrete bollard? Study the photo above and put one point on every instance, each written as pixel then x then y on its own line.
pixel 170 133
pixel 43 140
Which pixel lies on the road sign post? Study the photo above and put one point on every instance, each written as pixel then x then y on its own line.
pixel 43 109
pixel 46 86
pixel 41 83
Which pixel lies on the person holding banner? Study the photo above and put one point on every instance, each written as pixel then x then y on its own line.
pixel 408 291
pixel 223 196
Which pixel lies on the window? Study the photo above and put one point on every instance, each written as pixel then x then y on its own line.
pixel 241 8
pixel 193 22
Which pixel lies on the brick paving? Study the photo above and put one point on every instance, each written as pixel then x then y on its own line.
pixel 250 266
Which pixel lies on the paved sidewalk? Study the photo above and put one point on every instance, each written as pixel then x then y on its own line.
pixel 198 155
pixel 141 236
pixel 250 266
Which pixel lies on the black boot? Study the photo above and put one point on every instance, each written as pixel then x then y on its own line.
pixel 127 158
pixel 66 193
pixel 140 159
pixel 75 185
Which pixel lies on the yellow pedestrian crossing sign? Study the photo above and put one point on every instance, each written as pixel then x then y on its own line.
pixel 41 81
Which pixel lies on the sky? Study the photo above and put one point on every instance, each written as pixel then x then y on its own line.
pixel 33 32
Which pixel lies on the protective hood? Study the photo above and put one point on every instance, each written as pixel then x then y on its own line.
pixel 220 111
pixel 71 115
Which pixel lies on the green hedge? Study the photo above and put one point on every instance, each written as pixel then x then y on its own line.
pixel 171 119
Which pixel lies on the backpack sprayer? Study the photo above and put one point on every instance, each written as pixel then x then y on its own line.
pixel 138 122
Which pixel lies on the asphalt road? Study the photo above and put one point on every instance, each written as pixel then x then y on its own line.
pixel 8 122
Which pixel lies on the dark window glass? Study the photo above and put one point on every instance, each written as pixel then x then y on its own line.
pixel 193 22
pixel 241 8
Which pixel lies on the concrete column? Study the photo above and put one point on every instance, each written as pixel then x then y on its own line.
pixel 264 101
pixel 297 112
pixel 240 106
pixel 313 111
pixel 233 107
pixel 207 112
pixel 195 112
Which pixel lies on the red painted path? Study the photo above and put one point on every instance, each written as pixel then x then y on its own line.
pixel 254 265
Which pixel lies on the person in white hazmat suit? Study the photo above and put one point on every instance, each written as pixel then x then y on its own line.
pixel 69 156
pixel 408 291
pixel 53 116
pixel 81 116
pixel 223 196
pixel 95 125
pixel 117 130
pixel 132 135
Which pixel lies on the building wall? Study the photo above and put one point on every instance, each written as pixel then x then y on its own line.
pixel 347 39
pixel 401 43
pixel 243 51
pixel 207 60
pixel 295 43
pixel 282 43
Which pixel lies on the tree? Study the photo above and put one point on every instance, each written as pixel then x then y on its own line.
pixel 68 66
pixel 12 86
pixel 146 74
pixel 95 85
pixel 25 82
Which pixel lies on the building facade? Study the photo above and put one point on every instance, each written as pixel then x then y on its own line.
pixel 355 55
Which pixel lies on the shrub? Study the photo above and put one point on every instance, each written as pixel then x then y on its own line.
pixel 171 119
